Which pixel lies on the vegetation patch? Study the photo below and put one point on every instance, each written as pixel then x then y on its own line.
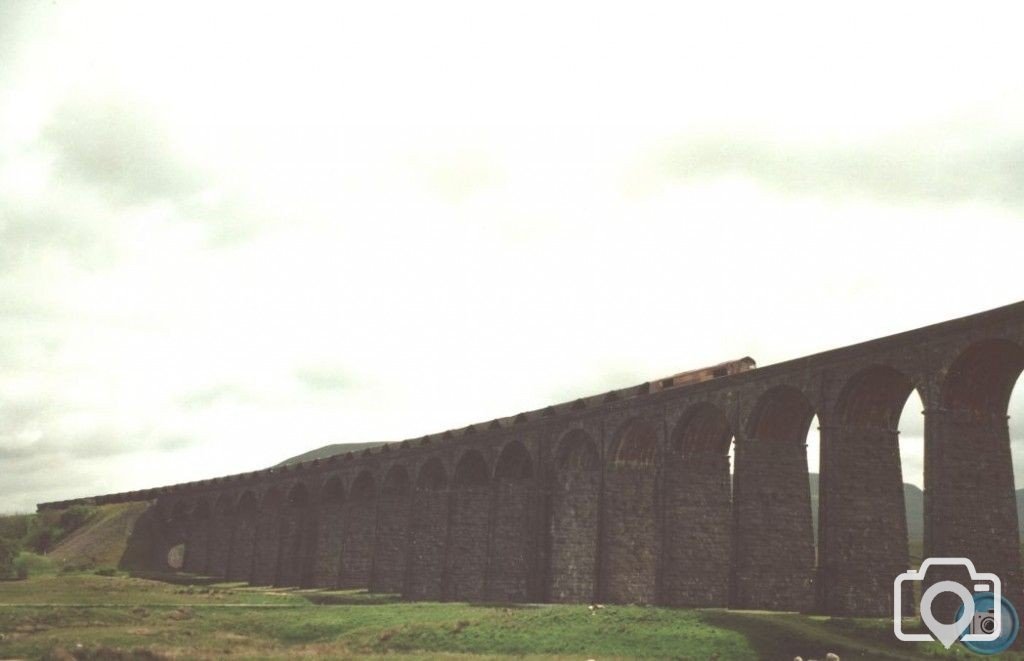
pixel 86 616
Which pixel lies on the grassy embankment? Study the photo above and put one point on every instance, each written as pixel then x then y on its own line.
pixel 74 604
pixel 92 616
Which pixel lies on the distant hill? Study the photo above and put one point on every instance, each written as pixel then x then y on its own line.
pixel 329 451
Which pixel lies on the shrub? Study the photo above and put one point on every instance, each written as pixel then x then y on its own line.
pixel 30 564
pixel 72 518
pixel 8 551
pixel 42 537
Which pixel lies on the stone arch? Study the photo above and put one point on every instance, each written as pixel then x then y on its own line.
pixel 874 397
pixel 511 574
pixel 332 492
pixel 577 451
pixel 360 532
pixel 469 516
pixel 243 537
pixel 782 415
pixel 630 536
pixel 267 548
pixel 396 481
pixel 574 513
pixel 514 462
pixel 425 578
pixel 862 511
pixel 219 553
pixel 636 444
pixel 773 545
pixel 298 495
pixel 330 532
pixel 698 509
pixel 982 377
pixel 364 488
pixel 970 500
pixel 297 538
pixel 180 511
pixel 471 470
pixel 197 537
pixel 432 476
pixel 201 510
pixel 177 522
pixel 702 432
pixel 248 503
pixel 392 531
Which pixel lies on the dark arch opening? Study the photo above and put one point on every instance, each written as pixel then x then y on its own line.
pixel 577 451
pixel 471 471
pixel 223 505
pixel 271 500
pixel 202 509
pixel 875 397
pixel 514 463
pixel 396 482
pixel 703 433
pixel 637 446
pixel 782 415
pixel 248 503
pixel 180 511
pixel 982 378
pixel 333 491
pixel 365 487
pixel 774 546
pixel 432 476
pixel 298 495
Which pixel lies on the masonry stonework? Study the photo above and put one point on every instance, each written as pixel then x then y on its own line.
pixel 626 496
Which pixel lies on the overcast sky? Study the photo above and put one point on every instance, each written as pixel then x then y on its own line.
pixel 231 234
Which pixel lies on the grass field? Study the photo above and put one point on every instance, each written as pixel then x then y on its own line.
pixel 89 616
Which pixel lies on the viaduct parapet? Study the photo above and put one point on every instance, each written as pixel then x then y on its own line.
pixel 626 497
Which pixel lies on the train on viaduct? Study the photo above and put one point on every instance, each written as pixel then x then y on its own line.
pixel 629 496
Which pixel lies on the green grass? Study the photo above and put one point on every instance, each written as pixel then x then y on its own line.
pixel 98 615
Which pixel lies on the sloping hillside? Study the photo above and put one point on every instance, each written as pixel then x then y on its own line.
pixel 102 540
pixel 328 451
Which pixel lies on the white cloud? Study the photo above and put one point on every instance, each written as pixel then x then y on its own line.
pixel 230 235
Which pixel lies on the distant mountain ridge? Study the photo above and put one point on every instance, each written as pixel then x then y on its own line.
pixel 329 451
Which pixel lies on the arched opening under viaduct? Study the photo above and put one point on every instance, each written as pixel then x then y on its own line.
pixel 511 574
pixel 468 539
pixel 331 525
pixel 428 533
pixel 221 527
pixel 392 531
pixel 177 522
pixel 360 532
pixel 630 531
pixel 573 528
pixel 268 537
pixel 970 498
pixel 298 538
pixel 243 537
pixel 197 539
pixel 773 543
pixel 863 529
pixel 698 510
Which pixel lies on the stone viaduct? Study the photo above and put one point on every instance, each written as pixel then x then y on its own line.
pixel 626 497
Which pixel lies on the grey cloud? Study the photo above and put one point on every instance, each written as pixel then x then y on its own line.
pixel 962 161
pixel 120 149
pixel 325 378
pixel 214 395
